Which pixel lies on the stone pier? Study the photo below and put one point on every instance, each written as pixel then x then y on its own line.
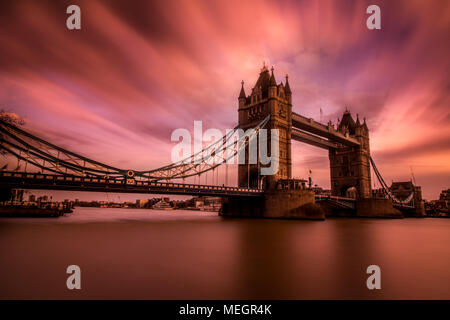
pixel 288 200
pixel 376 208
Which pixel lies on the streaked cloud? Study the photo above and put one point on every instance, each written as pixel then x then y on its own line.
pixel 136 71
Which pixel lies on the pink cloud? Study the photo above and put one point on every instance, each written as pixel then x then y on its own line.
pixel 137 71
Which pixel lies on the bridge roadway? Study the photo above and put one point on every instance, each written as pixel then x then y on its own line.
pixel 317 134
pixel 27 180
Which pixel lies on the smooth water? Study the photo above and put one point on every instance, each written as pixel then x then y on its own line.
pixel 149 254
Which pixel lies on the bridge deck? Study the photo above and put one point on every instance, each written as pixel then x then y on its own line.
pixel 312 139
pixel 25 180
pixel 319 129
pixel 341 202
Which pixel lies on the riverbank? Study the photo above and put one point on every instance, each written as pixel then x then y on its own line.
pixel 31 212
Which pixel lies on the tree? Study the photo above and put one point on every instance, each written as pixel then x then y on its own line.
pixel 11 118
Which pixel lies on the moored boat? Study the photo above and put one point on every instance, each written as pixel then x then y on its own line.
pixel 29 212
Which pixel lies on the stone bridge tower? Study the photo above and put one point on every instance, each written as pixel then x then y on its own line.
pixel 267 97
pixel 350 166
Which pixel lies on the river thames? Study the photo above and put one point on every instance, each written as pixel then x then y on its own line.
pixel 150 254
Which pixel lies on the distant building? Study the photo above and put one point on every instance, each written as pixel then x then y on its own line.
pixel 402 190
pixel 199 202
pixel 32 198
pixel 208 203
pixel 162 205
pixel 180 204
pixel 445 196
pixel 17 195
pixel 42 199
pixel 142 203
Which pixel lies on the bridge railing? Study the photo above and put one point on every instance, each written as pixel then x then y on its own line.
pixel 336 198
pixel 55 179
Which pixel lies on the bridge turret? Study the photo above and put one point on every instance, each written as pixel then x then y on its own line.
pixel 267 98
pixel 365 125
pixel 281 92
pixel 350 166
pixel 287 90
pixel 272 86
pixel 359 129
pixel 242 96
pixel 362 134
pixel 347 122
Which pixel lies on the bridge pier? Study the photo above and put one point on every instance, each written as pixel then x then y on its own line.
pixel 376 208
pixel 287 200
pixel 300 204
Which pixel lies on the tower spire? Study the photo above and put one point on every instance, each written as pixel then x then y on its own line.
pixel 264 68
pixel 287 88
pixel 242 94
pixel 272 82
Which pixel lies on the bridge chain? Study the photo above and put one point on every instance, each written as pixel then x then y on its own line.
pixel 408 201
pixel 46 156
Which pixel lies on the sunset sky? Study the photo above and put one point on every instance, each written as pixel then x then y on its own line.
pixel 115 90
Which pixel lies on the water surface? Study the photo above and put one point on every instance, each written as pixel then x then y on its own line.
pixel 150 254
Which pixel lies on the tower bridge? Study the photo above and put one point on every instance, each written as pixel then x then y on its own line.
pixel 348 144
pixel 269 106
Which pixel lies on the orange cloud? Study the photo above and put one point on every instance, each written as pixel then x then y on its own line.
pixel 116 89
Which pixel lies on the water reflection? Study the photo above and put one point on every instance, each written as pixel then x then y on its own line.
pixel 147 254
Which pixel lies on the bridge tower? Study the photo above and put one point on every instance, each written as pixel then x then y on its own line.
pixel 267 97
pixel 350 166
